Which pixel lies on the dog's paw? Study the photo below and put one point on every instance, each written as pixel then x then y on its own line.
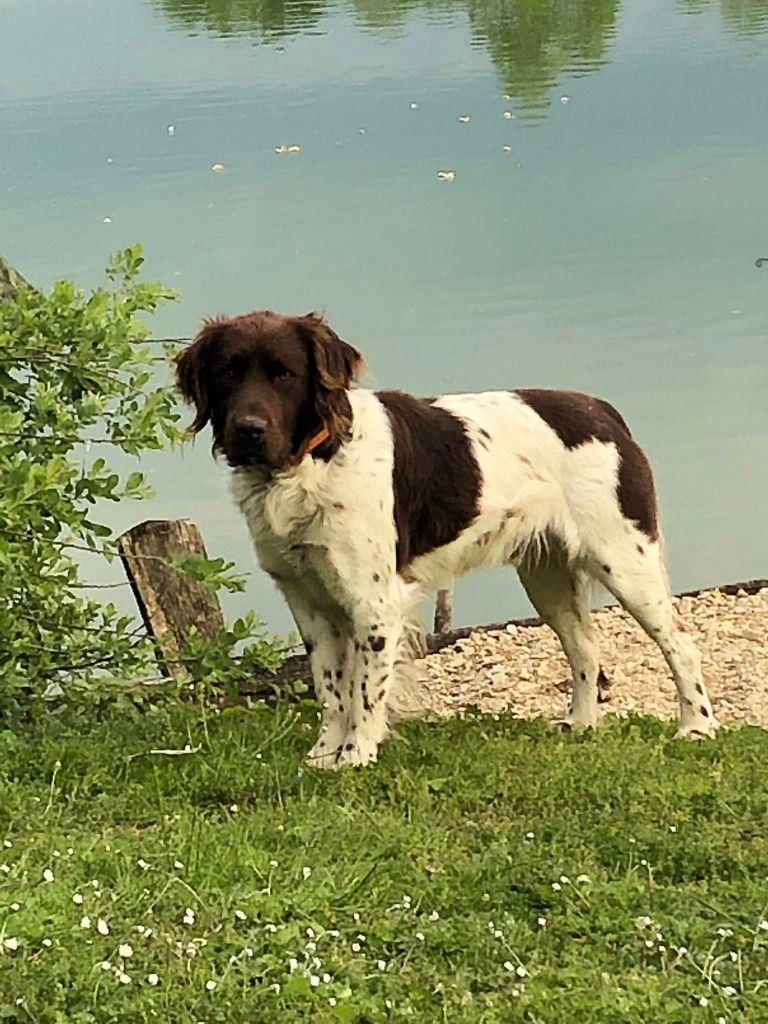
pixel 358 751
pixel 706 729
pixel 572 724
pixel 323 756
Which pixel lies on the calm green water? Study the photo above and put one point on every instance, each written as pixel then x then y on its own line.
pixel 611 248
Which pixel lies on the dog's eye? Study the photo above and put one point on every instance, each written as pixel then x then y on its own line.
pixel 282 373
pixel 233 369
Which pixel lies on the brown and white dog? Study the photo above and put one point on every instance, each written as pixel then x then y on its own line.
pixel 361 502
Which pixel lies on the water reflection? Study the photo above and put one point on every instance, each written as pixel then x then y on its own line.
pixel 531 42
pixel 745 17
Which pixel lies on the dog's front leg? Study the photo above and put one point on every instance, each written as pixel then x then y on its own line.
pixel 376 635
pixel 326 636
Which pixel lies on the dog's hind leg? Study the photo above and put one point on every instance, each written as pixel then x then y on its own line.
pixel 559 593
pixel 632 567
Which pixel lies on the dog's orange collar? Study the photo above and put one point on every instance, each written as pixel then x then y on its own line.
pixel 316 440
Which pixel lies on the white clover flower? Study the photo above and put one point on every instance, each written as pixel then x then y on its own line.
pixel 644 862
pixel 334 934
pixel 420 936
pixel 11 943
pixel 270 927
pixel 105 965
pixel 189 916
pixel 673 828
pixel 178 864
pixel 306 872
pixel 649 943
pixel 521 971
pixel 311 947
pixel 142 864
pixel 643 922
pixel 763 925
pixel 582 879
pixel 381 964
pixel 293 963
pixel 498 934
pixel 56 853
pixel 565 880
pixel 273 863
pixel 210 985
pixel 314 981
pixel 530 835
pixel 733 955
pixel 77 898
pixel 47 943
pixel 85 921
pixel 724 933
pixel 682 951
pixel 356 917
pixel 233 808
pixel 326 978
pixel 15 906
pixel 331 1000
pixel 542 922
pixel 355 947
pixel 47 875
pixel 153 979
pixel 241 915
pixel 310 933
pixel 703 1001
pixel 125 951
pixel 102 927
pixel 123 978
pixel 508 965
pixel 556 886
pixel 5 869
pixel 729 990
pixel 434 916
pixel 407 900
pixel 7 844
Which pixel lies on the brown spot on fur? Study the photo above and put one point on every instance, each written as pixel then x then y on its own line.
pixel 431 447
pixel 640 549
pixel 576 419
pixel 699 689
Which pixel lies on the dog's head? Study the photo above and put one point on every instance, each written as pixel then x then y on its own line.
pixel 273 387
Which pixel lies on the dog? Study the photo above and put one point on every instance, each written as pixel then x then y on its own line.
pixel 360 502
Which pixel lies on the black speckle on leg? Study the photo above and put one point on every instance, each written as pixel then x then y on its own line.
pixel 377 643
pixel 381 695
pixel 339 673
pixel 349 746
pixel 607 568
pixel 640 549
pixel 309 646
pixel 376 578
pixel 699 689
pixel 704 711
pixel 327 673
pixel 583 676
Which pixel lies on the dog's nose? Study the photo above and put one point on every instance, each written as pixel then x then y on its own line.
pixel 251 427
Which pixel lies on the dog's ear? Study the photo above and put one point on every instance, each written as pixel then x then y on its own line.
pixel 337 365
pixel 193 370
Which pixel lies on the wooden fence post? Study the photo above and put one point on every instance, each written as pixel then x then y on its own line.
pixel 170 602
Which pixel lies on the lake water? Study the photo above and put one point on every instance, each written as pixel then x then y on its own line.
pixel 609 202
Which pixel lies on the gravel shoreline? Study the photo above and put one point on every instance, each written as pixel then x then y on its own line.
pixel 520 669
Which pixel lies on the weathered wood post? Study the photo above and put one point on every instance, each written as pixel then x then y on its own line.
pixel 444 611
pixel 171 602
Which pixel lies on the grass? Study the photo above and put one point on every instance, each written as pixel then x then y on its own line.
pixel 485 871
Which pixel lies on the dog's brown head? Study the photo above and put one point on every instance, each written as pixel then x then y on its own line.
pixel 272 386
